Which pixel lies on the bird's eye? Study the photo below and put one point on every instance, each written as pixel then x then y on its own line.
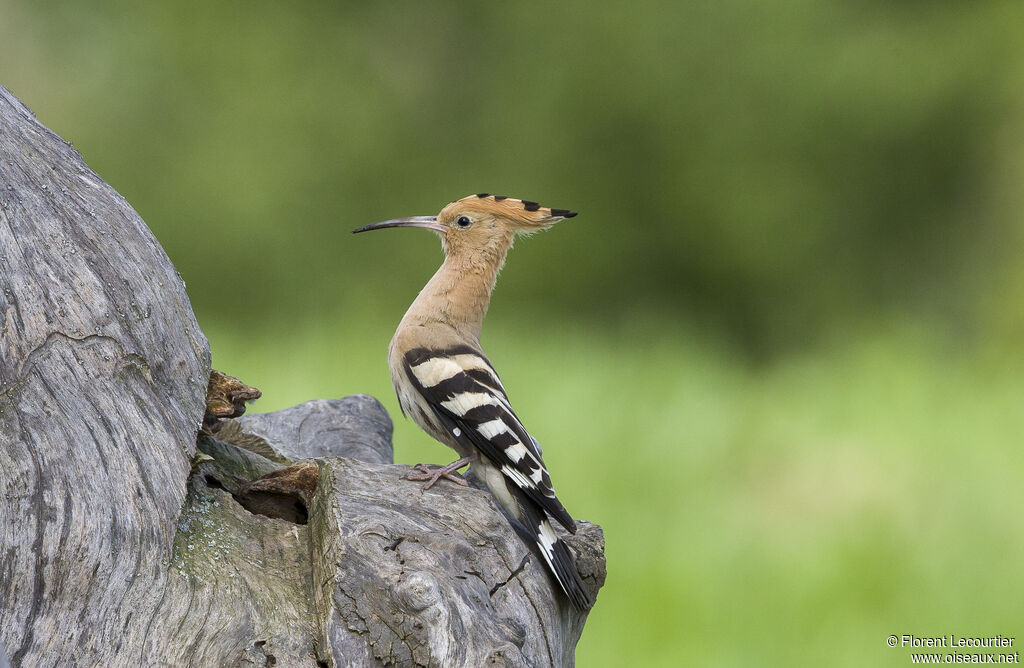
pixel 463 221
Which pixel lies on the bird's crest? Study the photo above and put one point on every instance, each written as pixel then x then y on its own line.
pixel 529 215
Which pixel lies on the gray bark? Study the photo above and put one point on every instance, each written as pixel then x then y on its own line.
pixel 286 539
pixel 355 427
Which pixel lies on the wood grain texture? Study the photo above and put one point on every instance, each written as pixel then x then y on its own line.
pixel 435 578
pixel 121 544
pixel 404 576
pixel 356 426
pixel 102 375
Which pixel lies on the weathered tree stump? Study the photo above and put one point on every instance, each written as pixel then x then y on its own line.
pixel 285 539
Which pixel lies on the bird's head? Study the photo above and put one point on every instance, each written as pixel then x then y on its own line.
pixel 481 222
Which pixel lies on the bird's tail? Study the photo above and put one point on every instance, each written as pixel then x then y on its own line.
pixel 535 528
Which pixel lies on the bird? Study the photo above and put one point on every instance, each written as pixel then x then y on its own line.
pixel 449 387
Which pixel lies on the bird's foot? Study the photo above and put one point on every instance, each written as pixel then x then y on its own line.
pixel 447 472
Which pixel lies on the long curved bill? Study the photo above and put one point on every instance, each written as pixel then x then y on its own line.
pixel 426 222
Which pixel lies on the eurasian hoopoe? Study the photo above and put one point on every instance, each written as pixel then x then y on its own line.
pixel 448 386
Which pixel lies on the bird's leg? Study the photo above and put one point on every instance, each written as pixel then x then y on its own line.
pixel 448 472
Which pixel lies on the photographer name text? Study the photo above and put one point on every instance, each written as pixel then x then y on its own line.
pixel 953 640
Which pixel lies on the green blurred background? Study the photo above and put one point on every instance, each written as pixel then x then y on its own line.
pixel 778 356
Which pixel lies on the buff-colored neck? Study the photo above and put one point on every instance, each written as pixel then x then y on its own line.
pixel 452 305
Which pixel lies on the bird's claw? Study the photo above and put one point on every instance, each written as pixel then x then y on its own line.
pixel 433 476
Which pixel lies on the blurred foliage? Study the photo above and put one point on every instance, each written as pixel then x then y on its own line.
pixel 791 299
pixel 774 169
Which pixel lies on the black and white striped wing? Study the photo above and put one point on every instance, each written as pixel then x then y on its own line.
pixel 464 391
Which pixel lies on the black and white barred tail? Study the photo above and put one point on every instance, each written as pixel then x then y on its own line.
pixel 536 528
